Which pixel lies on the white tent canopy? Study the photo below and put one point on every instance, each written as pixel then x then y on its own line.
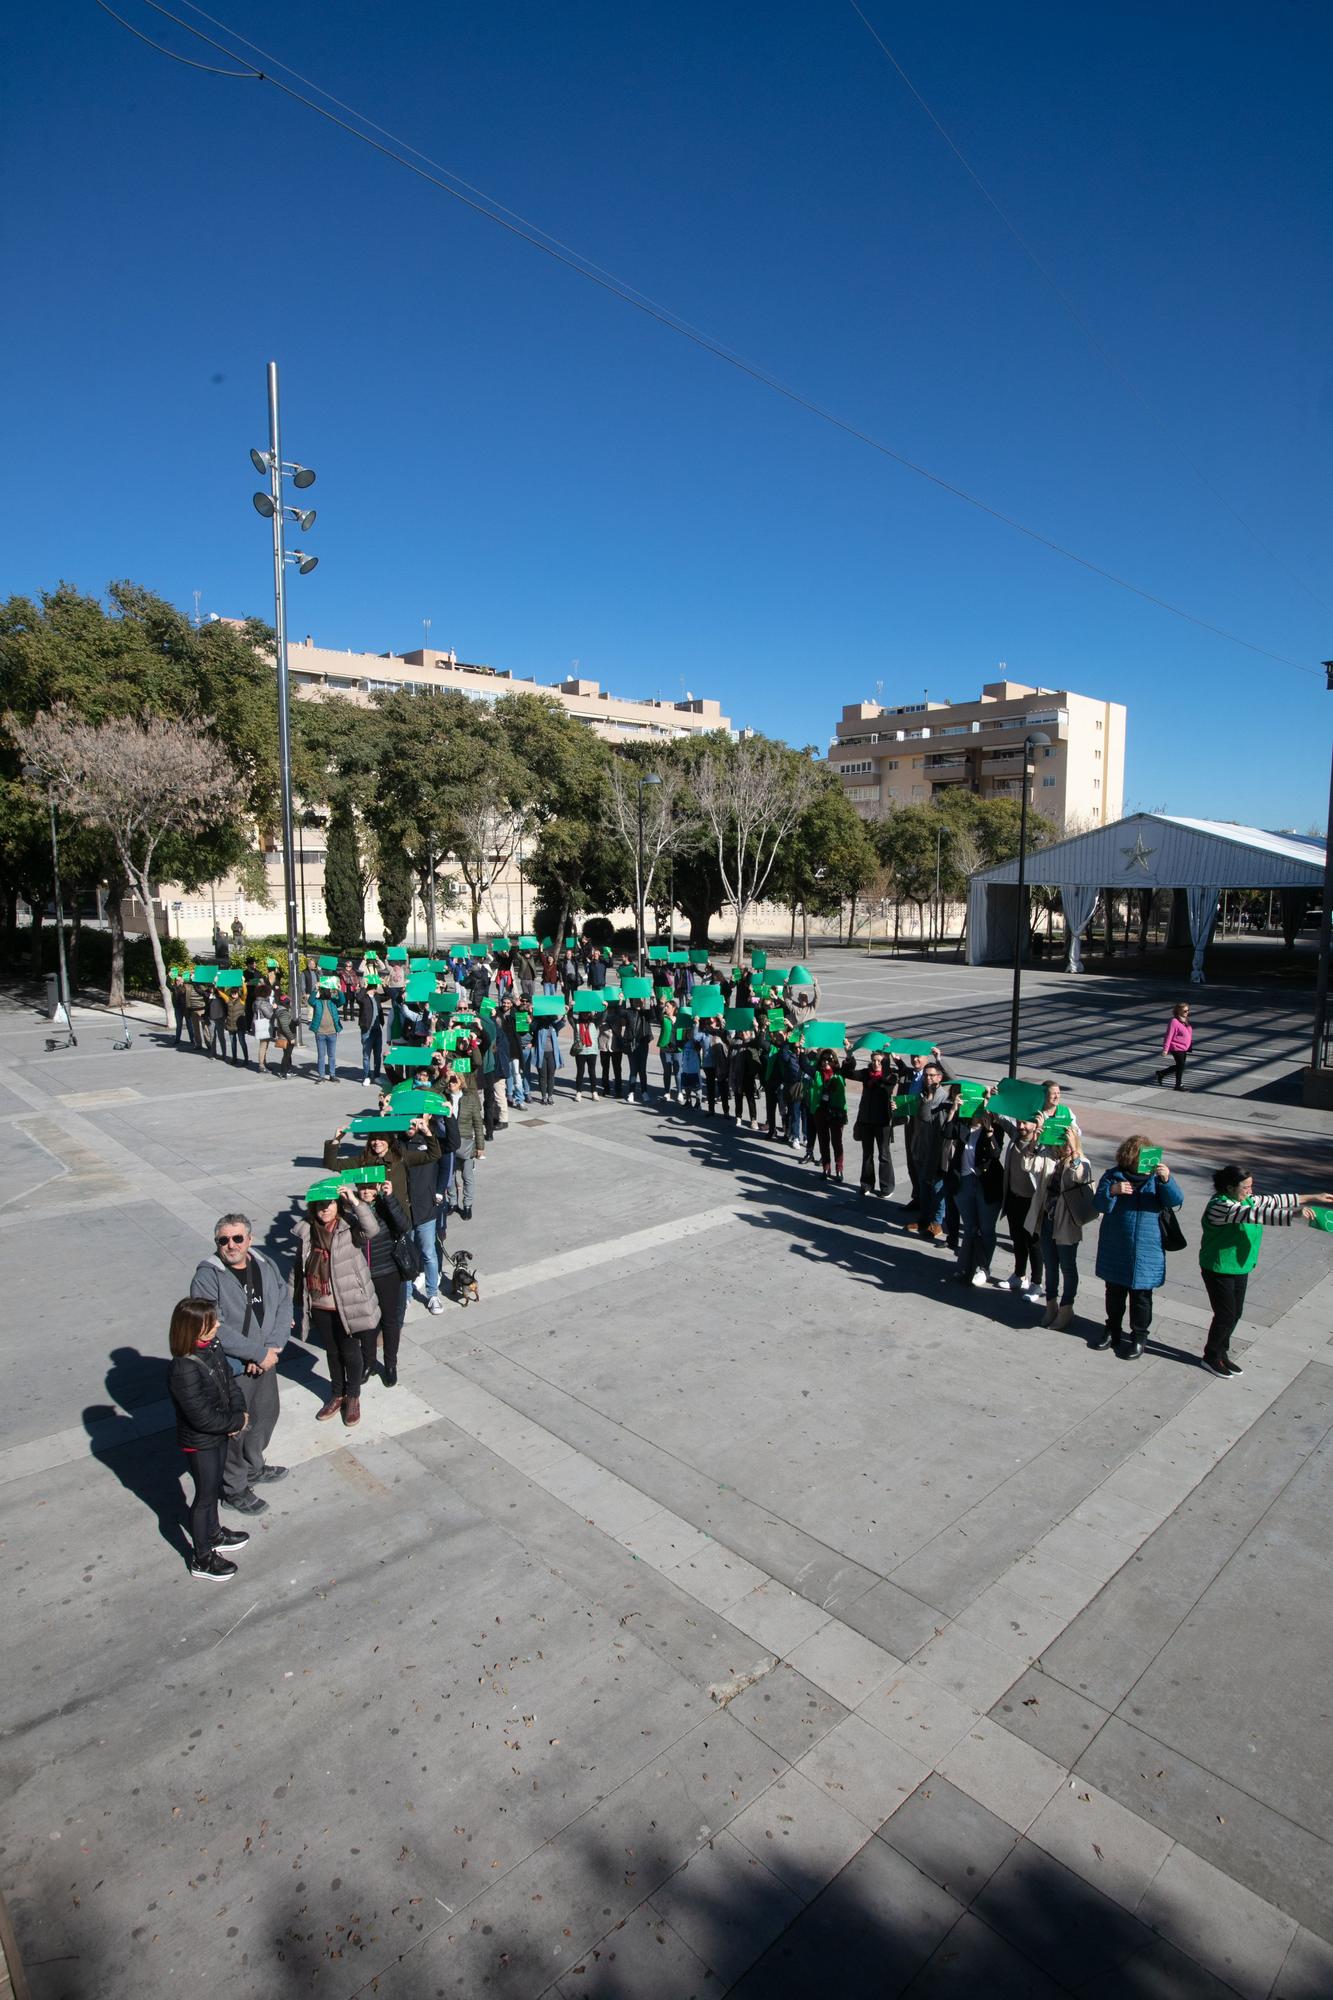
pixel 1196 857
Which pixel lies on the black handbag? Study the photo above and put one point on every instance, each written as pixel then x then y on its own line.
pixel 1173 1236
pixel 406 1252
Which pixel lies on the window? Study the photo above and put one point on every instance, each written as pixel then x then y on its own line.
pixel 1098 755
pixel 892 764
pixel 1096 784
pixel 855 770
pixel 1048 781
pixel 862 795
pixel 1099 724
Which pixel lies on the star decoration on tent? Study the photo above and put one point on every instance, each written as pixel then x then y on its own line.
pixel 1138 855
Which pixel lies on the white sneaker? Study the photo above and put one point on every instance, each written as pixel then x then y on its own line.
pixel 1034 1295
pixel 419 1288
pixel 980 1278
pixel 435 1304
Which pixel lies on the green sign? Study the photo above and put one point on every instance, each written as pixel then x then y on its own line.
pixel 230 979
pixel 903 1047
pixel 824 1034
pixel 396 954
pixel 404 1057
pixel 1150 1158
pixel 905 1107
pixel 665 993
pixel 800 975
pixel 872 1044
pixel 420 986
pixel 1056 1123
pixel 1321 1218
pixel 522 1020
pixel 738 1017
pixel 1015 1099
pixel 678 958
pixel 612 995
pixel 328 961
pixel 499 944
pixel 548 1007
pixel 636 986
pixel 445 1003
pixel 698 957
pixel 971 1097
pixel 415 1103
pixel 364 1176
pixel 657 954
pixel 477 950
pixel 462 1065
pixel 777 1020
pixel 362 1128
pixel 527 942
pixel 203 975
pixel 571 944
pixel 586 1001
pixel 706 1000
pixel 325 1190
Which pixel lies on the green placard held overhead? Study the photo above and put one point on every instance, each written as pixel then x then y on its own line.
pixel 229 980
pixel 698 957
pixel 527 942
pixel 420 986
pixel 548 944
pixel 612 995
pixel 325 1190
pixel 365 1128
pixel 396 954
pixel 1016 1099
pixel 903 1047
pixel 548 1007
pixel 872 1044
pixel 758 959
pixel 364 1176
pixel 777 1020
pixel 586 1001
pixel 664 993
pixel 499 944
pixel 571 944
pixel 971 1096
pixel 637 986
pixel 657 954
pixel 404 1057
pixel 328 961
pixel 477 950
pixel 462 1065
pixel 824 1034
pixel 410 1102
pixel 678 958
pixel 444 1003
pixel 706 1001
pixel 522 1020
pixel 738 1017
pixel 1055 1125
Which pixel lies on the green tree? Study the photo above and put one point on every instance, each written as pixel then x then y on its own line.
pixel 393 877
pixel 345 879
pixel 827 858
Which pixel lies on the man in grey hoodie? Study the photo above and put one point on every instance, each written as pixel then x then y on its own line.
pixel 254 1305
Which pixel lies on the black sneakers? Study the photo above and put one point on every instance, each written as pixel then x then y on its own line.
pixel 231 1538
pixel 1216 1367
pixel 271 1472
pixel 248 1502
pixel 216 1570
pixel 1104 1338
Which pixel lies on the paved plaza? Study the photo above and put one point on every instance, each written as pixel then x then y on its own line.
pixel 728 1604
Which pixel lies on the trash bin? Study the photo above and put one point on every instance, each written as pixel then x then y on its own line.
pixel 52 995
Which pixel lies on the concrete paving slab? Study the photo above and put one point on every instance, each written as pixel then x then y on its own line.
pixel 950 1837
pixel 1115 1850
pixel 863 1770
pixel 1002 1773
pixel 801 1834
pixel 641 1955
pixel 1218 1922
pixel 727 1906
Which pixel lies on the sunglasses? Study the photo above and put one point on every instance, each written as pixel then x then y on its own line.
pixel 220 1240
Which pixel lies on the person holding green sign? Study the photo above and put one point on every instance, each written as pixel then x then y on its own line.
pixel 333 1284
pixel 1233 1226
pixel 1060 1210
pixel 1132 1197
pixel 827 1101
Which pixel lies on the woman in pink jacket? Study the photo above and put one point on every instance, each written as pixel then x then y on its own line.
pixel 1178 1043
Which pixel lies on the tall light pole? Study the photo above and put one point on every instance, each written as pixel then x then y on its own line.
pixel 1319 1046
pixel 1035 741
pixel 39 777
pixel 648 778
pixel 272 506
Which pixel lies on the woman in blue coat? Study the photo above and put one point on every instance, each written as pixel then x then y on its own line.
pixel 1130 1257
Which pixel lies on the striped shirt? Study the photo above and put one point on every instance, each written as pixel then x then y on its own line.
pixel 1223 1210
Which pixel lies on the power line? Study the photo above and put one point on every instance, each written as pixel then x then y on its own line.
pixel 1098 347
pixel 209 69
pixel 573 260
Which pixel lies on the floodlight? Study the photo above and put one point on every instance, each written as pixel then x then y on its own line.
pixel 263 505
pixel 260 460
pixel 305 522
pixel 304 563
pixel 303 476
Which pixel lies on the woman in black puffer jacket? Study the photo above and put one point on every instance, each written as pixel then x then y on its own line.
pixel 385 1275
pixel 209 1410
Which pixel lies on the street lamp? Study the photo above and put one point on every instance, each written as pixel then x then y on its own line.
pixel 35 776
pixel 1319 1047
pixel 1036 740
pixel 648 778
pixel 273 507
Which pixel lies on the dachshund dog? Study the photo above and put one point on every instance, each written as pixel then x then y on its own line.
pixel 463 1285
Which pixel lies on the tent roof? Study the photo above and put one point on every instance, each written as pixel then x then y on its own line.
pixel 1168 851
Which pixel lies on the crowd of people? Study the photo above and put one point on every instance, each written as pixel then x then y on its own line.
pixel 452 1045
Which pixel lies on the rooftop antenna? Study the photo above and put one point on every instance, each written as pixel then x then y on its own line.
pixel 425 626
pixel 197 619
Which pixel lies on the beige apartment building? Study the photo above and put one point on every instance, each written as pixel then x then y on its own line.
pixel 907 754
pixel 319 673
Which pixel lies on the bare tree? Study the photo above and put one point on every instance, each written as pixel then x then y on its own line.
pixel 486 836
pixel 751 795
pixel 141 783
pixel 660 794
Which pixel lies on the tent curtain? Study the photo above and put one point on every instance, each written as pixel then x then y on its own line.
pixel 1203 915
pixel 1078 901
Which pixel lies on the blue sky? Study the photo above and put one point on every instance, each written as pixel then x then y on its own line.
pixel 549 476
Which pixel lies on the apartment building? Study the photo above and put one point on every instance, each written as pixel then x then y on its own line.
pixel 909 753
pixel 317 671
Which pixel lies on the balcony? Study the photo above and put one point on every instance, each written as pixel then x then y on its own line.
pixel 948 770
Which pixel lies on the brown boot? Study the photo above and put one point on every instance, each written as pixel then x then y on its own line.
pixel 351 1410
pixel 1048 1318
pixel 1063 1318
pixel 330 1409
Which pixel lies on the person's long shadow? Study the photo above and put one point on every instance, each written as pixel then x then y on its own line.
pixel 147 1465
